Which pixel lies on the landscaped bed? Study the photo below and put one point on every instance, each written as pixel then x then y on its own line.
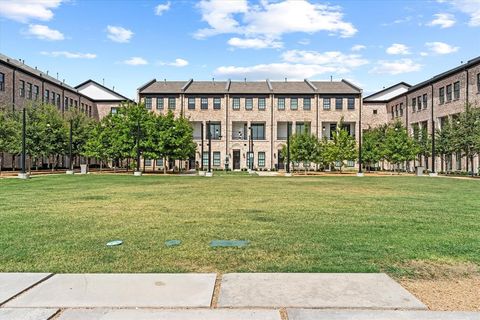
pixel 301 224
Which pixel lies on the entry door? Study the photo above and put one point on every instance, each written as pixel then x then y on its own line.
pixel 236 159
pixel 281 160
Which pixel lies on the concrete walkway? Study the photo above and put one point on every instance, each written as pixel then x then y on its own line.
pixel 236 296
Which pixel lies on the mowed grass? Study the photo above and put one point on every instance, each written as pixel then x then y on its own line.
pixel 301 224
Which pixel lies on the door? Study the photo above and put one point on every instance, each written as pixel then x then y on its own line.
pixel 281 159
pixel 236 159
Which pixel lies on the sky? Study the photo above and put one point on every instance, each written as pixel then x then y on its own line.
pixel 124 44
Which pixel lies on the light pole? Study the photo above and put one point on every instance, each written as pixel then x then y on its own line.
pixel 209 136
pixel 250 148
pixel 70 162
pixel 288 147
pixel 137 172
pixel 201 154
pixel 23 173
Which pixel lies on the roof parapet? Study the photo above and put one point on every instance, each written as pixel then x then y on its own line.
pixel 186 85
pixel 310 84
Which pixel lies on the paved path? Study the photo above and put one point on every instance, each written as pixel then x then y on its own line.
pixel 248 296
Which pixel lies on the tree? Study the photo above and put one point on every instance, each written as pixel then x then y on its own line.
pixel 304 148
pixel 96 144
pixel 372 146
pixel 81 126
pixel 10 134
pixel 344 145
pixel 466 130
pixel 444 141
pixel 54 139
pixel 326 154
pixel 399 146
pixel 423 141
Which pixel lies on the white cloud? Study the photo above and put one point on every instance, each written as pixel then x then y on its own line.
pixel 469 7
pixel 398 48
pixel 70 55
pixel 271 20
pixel 396 67
pixel 358 47
pixel 119 34
pixel 44 32
pixel 304 42
pixel 340 61
pixel 254 43
pixel 297 64
pixel 135 61
pixel 24 11
pixel 443 20
pixel 441 47
pixel 177 63
pixel 161 8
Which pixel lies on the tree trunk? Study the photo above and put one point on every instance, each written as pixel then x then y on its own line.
pixel 165 165
pixel 471 162
pixel 1 163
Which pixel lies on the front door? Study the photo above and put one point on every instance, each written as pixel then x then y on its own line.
pixel 281 159
pixel 236 159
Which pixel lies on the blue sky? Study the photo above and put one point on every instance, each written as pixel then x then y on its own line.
pixel 373 43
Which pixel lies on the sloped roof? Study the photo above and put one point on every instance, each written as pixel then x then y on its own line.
pixel 98 92
pixel 291 87
pixel 335 87
pixel 213 87
pixel 164 87
pixel 246 87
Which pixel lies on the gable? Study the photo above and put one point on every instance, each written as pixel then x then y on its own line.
pixel 97 92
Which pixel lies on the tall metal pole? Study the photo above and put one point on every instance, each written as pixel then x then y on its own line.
pixel 70 147
pixel 24 152
pixel 251 148
pixel 201 155
pixel 209 136
pixel 288 147
pixel 138 146
pixel 360 160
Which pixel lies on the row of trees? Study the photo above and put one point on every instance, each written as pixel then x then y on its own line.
pixel 117 137
pixel 307 148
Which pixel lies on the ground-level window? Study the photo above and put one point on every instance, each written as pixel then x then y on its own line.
pixel 216 158
pixel 249 159
pixel 113 110
pixel 159 162
pixel 205 159
pixel 261 159
pixel 350 163
pixel 148 162
pixel 458 161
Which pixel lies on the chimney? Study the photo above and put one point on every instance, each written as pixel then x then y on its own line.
pixel 165 81
pixel 103 81
pixel 35 67
pixel 47 72
pixel 331 78
pixel 113 89
pixel 57 75
pixel 285 79
pixel 213 80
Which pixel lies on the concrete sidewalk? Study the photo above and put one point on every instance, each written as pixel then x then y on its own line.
pixel 247 296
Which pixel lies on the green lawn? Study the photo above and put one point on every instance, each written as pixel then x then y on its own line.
pixel 302 224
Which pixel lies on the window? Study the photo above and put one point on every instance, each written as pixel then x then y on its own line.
pixel 2 81
pixel 478 82
pixel 350 163
pixel 351 104
pixel 65 104
pixel 216 158
pixel 46 96
pixel 458 160
pixel 29 92
pixel 393 113
pixel 59 101
pixel 248 103
pixel 171 103
pixel 217 103
pixel 236 104
pixel 449 93
pixel 302 127
pixel 249 159
pixel 326 103
pixel 307 103
pixel 71 102
pixel 401 109
pixel 113 110
pixel 261 104
pixel 456 90
pixel 215 131
pixel 191 103
pixel 338 103
pixel 22 88
pixel 83 107
pixel 205 159
pixel 333 128
pixel 441 95
pixel 258 131
pixel 293 103
pixel 159 162
pixel 148 103
pixel 281 103
pixel 76 104
pixel 419 103
pixel 204 103
pixel 261 159
pixel 396 110
pixel 425 102
pixel 53 98
pixel 414 104
pixel 148 162
pixel 160 103
pixel 375 111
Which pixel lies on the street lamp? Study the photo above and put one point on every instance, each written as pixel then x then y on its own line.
pixel 250 148
pixel 288 147
pixel 23 173
pixel 138 172
pixel 70 162
pixel 201 155
pixel 209 137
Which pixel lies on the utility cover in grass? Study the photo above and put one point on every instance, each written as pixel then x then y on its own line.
pixel 114 243
pixel 228 243
pixel 172 243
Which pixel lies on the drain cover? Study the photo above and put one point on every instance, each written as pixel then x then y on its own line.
pixel 114 243
pixel 228 243
pixel 172 243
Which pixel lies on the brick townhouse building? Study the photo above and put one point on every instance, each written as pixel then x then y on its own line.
pixel 21 85
pixel 237 110
pixel 427 105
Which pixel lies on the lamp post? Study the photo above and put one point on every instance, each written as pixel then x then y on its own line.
pixel 23 173
pixel 250 148
pixel 209 136
pixel 70 162
pixel 138 172
pixel 201 154
pixel 288 147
